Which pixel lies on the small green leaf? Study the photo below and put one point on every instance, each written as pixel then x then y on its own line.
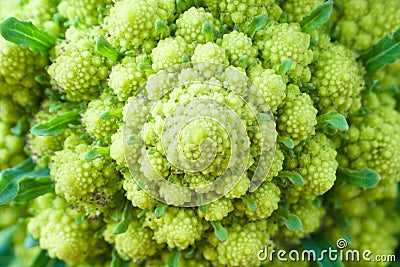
pixel 334 119
pixel 244 61
pixel 220 232
pixel 251 204
pixel 42 259
pixel 116 260
pixel 57 124
pixel 6 238
pixel 123 224
pixel 285 67
pixel 174 258
pixel 365 178
pixel 256 24
pixel 97 153
pixel 207 30
pixel 111 114
pixel 160 210
pixel 293 177
pixel 29 241
pixel 292 222
pixel 21 127
pixel 24 33
pixel 317 17
pixel 32 188
pixel 161 28
pixel 107 50
pixel 10 179
pixel 320 245
pixel 287 142
pixel 386 51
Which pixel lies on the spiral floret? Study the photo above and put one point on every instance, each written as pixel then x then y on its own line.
pixel 237 45
pixel 211 53
pixel 169 52
pixel 86 11
pixel 11 147
pixel 298 9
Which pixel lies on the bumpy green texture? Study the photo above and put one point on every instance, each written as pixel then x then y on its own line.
pixel 96 126
pixel 280 42
pixel 297 9
pixel 85 11
pixel 10 111
pixel 189 25
pixel 338 79
pixel 89 184
pixel 169 52
pixel 79 70
pixel 210 52
pixel 237 45
pixel 65 232
pixel 315 161
pixel 131 24
pixel 297 117
pixel 217 210
pixel 178 227
pixel 11 147
pixel 125 78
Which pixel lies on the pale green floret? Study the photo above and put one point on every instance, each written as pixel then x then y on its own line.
pixel 125 78
pixel 178 227
pixel 280 42
pixel 58 231
pixel 169 52
pixel 190 25
pixel 18 68
pixel 10 112
pixel 297 117
pixel 299 8
pixel 211 53
pixel 131 24
pixel 136 244
pixel 315 161
pixel 79 70
pixel 240 188
pixel 217 210
pixel 89 184
pixel 266 198
pixel 96 126
pixel 86 11
pixel 237 44
pixel 310 215
pixel 137 195
pixel 338 79
pixel 272 87
pixel 11 147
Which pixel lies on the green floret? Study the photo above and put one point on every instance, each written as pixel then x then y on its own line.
pixel 297 118
pixel 89 184
pixel 85 11
pixel 266 199
pixel 272 87
pixel 136 194
pixel 126 78
pixel 211 53
pixel 190 25
pixel 217 210
pixel 280 42
pixel 65 233
pixel 169 52
pixel 96 126
pixel 338 79
pixel 315 161
pixel 237 44
pixel 136 244
pixel 11 147
pixel 310 215
pixel 79 70
pixel 18 68
pixel 373 140
pixel 243 243
pixel 178 227
pixel 10 112
pixel 299 8
pixel 131 24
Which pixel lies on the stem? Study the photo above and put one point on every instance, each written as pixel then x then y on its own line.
pixel 123 225
pixel 207 30
pixel 107 50
pixel 111 114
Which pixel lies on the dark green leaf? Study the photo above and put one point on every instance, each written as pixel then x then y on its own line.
pixel 317 17
pixel 6 238
pixel 24 33
pixel 21 127
pixel 319 245
pixel 107 50
pixel 366 178
pixel 334 119
pixel 57 124
pixel 32 188
pixel 43 260
pixel 174 258
pixel 123 225
pixel 10 179
pixel 386 51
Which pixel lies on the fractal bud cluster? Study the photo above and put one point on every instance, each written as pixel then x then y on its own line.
pixel 181 133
